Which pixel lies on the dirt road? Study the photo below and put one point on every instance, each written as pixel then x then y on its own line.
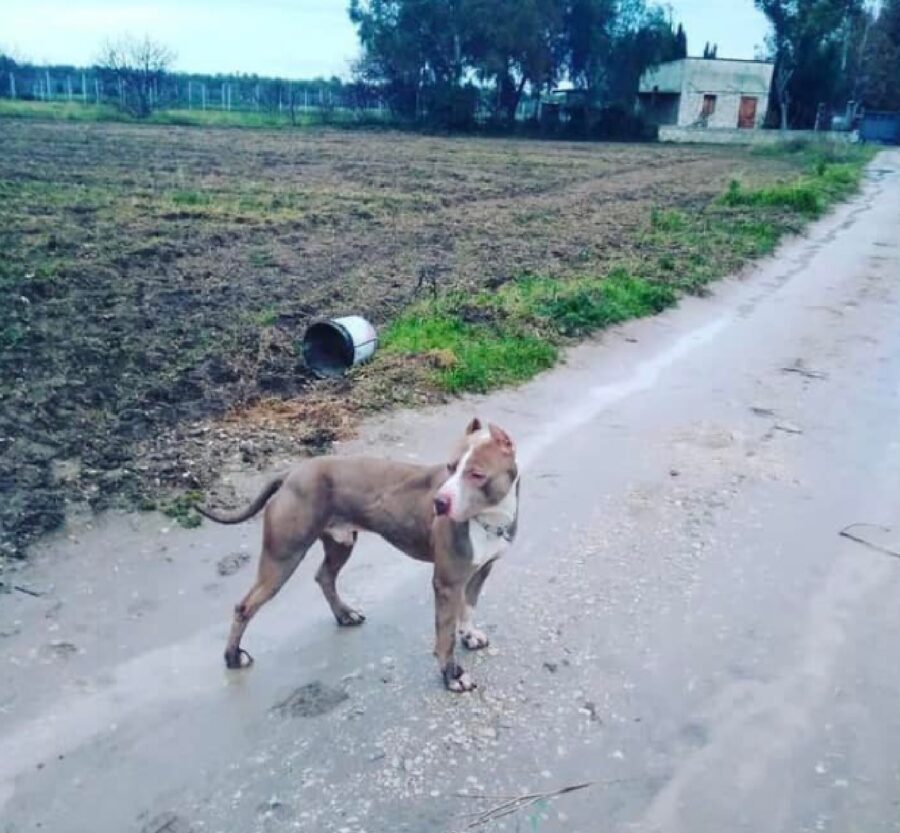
pixel 679 621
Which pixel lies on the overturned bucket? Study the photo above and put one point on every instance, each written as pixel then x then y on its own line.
pixel 331 346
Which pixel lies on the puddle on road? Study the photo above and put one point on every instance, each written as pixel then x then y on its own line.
pixel 311 700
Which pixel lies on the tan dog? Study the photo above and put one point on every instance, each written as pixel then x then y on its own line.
pixel 459 516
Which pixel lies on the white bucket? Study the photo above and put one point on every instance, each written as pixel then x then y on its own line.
pixel 333 345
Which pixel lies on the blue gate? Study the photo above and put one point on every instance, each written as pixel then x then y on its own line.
pixel 882 127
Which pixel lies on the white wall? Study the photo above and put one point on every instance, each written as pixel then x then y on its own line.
pixel 726 113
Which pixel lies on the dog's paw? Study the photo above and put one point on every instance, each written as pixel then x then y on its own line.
pixel 474 639
pixel 457 680
pixel 238 659
pixel 348 617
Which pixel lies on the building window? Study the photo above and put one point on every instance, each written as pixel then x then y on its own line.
pixel 709 106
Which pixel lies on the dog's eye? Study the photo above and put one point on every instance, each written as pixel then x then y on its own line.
pixel 477 476
pixel 451 467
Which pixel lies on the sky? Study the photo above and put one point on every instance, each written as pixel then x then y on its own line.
pixel 290 38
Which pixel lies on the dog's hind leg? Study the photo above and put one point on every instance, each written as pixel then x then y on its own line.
pixel 472 637
pixel 336 554
pixel 285 543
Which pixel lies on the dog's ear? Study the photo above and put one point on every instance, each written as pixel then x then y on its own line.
pixel 499 436
pixel 474 425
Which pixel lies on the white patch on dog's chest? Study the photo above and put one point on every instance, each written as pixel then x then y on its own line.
pixel 489 532
pixel 485 544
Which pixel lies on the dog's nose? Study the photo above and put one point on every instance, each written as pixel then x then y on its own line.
pixel 441 505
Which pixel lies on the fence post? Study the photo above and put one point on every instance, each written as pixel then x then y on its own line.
pixel 12 85
pixel 83 88
pixel 190 95
pixel 49 93
pixel 69 87
pixel 97 90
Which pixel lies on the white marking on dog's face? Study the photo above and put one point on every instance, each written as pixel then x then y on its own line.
pixel 456 489
pixel 482 474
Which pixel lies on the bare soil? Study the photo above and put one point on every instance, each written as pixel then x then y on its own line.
pixel 156 281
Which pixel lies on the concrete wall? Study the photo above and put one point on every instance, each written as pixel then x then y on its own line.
pixel 700 135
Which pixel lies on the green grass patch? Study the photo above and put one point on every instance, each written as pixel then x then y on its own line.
pixel 181 509
pixel 834 172
pixel 61 111
pixel 469 356
pixel 252 119
pixel 191 198
pixel 491 338
pixel 801 197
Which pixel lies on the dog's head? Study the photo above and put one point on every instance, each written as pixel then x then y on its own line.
pixel 482 472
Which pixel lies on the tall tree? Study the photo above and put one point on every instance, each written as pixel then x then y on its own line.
pixel 608 44
pixel 514 44
pixel 413 47
pixel 809 45
pixel 681 43
pixel 878 76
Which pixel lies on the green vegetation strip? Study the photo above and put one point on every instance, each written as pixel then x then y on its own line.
pixel 488 339
pixel 78 112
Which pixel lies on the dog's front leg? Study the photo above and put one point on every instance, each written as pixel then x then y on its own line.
pixel 449 603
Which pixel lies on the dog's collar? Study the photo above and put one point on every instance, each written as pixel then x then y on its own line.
pixel 504 531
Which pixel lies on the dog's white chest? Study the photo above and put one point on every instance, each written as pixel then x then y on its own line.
pixel 485 544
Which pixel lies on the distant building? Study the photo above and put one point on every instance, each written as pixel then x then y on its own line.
pixel 706 92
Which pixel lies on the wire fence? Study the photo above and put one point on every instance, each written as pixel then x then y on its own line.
pixel 172 92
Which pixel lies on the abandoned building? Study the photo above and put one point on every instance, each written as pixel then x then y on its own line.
pixel 704 92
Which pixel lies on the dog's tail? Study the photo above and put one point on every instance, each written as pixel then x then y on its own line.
pixel 258 502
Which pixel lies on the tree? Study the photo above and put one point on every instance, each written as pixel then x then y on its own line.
pixel 681 43
pixel 426 55
pixel 411 47
pixel 810 43
pixel 878 75
pixel 710 53
pixel 137 67
pixel 513 44
pixel 608 45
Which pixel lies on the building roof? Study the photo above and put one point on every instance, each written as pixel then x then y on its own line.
pixel 712 75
